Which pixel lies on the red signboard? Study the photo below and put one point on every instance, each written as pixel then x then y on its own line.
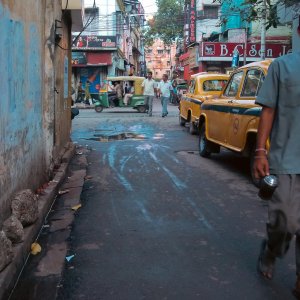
pixel 253 50
pixel 192 31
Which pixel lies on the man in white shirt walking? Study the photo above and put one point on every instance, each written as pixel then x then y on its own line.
pixel 149 88
pixel 164 90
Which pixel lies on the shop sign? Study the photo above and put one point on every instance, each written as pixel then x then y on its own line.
pixel 192 27
pixel 94 42
pixel 193 58
pixel 79 58
pixel 190 23
pixel 253 50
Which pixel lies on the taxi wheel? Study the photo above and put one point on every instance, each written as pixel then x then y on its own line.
pixel 203 143
pixel 182 121
pixel 192 128
pixel 98 108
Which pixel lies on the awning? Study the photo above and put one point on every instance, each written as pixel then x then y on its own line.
pixel 99 58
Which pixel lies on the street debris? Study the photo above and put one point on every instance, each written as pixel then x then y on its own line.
pixel 35 248
pixel 68 258
pixel 76 207
pixel 61 192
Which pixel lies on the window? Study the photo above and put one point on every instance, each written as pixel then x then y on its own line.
pixel 168 63
pixel 213 85
pixel 192 86
pixel 209 12
pixel 233 86
pixel 149 50
pixel 160 51
pixel 168 51
pixel 253 82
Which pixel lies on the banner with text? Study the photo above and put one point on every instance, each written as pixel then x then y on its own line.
pixel 253 50
pixel 94 42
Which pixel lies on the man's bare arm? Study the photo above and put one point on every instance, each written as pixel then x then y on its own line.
pixel 261 165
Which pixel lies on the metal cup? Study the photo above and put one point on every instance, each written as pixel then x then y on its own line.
pixel 268 184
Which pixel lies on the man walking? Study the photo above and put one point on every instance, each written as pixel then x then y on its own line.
pixel 280 119
pixel 149 90
pixel 164 90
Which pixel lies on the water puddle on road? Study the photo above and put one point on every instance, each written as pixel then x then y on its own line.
pixel 119 133
pixel 117 137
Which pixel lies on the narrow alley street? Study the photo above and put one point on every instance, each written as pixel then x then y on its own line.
pixel 158 221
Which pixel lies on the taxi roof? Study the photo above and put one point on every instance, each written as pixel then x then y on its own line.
pixel 264 64
pixel 208 75
pixel 125 78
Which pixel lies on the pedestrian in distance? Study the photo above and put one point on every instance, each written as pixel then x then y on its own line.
pixel 129 93
pixel 174 95
pixel 79 92
pixel 280 121
pixel 149 90
pixel 87 92
pixel 164 90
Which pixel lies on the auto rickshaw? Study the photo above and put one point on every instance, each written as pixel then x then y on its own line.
pixel 108 97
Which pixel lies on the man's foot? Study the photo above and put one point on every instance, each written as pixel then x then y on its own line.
pixel 296 290
pixel 163 116
pixel 266 262
pixel 150 115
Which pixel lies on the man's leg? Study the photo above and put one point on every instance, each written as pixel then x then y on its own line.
pixel 150 99
pixel 126 99
pixel 283 223
pixel 146 101
pixel 164 106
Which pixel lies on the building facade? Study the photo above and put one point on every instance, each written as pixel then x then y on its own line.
pixel 35 115
pixel 110 44
pixel 215 33
pixel 160 58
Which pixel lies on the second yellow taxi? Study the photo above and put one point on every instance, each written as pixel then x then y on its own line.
pixel 203 86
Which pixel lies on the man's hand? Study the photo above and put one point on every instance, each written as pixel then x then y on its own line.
pixel 261 167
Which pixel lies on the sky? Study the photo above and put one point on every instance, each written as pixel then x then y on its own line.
pixel 149 6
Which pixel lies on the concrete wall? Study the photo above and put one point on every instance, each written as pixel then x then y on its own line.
pixel 34 124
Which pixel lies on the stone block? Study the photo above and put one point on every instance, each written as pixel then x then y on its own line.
pixel 6 252
pixel 13 229
pixel 25 207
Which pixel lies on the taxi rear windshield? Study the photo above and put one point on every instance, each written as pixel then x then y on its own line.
pixel 213 85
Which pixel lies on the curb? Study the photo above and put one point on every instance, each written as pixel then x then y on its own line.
pixel 9 276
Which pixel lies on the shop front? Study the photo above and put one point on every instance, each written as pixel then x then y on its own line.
pixel 217 57
pixel 90 67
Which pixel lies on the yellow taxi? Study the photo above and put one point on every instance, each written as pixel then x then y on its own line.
pixel 231 121
pixel 202 86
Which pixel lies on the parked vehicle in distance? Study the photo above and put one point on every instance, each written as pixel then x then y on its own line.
pixel 231 121
pixel 108 97
pixel 203 86
pixel 182 88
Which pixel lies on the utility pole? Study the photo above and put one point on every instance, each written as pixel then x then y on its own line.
pixel 263 30
pixel 245 45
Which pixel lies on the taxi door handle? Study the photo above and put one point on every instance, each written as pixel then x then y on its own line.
pixel 230 101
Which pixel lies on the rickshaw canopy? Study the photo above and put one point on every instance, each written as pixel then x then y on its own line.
pixel 136 79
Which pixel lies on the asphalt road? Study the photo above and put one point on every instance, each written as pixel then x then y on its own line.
pixel 160 222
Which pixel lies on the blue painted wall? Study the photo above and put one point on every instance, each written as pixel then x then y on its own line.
pixel 21 107
pixel 230 10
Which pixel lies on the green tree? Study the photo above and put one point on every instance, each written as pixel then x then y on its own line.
pixel 167 24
